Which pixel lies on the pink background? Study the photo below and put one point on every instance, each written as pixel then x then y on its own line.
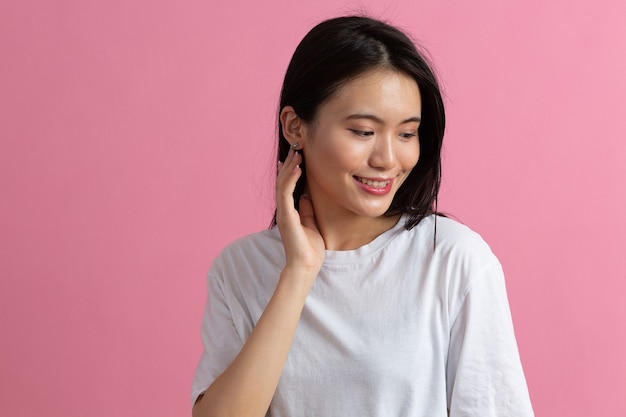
pixel 137 140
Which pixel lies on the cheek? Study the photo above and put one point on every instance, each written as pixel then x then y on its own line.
pixel 410 157
pixel 331 150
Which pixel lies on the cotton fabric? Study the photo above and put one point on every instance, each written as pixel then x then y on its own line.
pixel 403 326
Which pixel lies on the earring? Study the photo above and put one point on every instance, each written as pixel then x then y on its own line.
pixel 294 146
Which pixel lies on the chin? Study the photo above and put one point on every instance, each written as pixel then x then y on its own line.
pixel 373 212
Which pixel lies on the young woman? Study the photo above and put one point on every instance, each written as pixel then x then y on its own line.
pixel 361 300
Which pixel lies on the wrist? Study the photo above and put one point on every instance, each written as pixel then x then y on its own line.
pixel 297 281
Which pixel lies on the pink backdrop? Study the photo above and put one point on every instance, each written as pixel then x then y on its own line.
pixel 137 138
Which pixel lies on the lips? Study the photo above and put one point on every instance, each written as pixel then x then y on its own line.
pixel 376 183
pixel 375 186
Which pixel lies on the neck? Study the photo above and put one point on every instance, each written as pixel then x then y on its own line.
pixel 351 232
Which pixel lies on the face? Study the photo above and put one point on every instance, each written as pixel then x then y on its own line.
pixel 362 145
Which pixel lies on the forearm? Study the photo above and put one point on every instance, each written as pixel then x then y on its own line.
pixel 247 386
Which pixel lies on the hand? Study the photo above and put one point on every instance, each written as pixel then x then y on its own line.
pixel 304 246
pixel 248 384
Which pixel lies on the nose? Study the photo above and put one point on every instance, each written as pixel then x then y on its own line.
pixel 383 153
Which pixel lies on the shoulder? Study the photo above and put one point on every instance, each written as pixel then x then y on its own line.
pixel 451 240
pixel 259 241
pixel 251 248
pixel 256 255
pixel 455 254
pixel 452 234
pixel 454 238
pixel 463 265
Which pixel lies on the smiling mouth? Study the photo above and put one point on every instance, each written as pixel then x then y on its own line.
pixel 373 183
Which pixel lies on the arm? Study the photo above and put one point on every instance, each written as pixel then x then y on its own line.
pixel 247 386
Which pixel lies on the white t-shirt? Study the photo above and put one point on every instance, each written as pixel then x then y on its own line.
pixel 397 327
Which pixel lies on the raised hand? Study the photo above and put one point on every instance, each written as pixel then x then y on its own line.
pixel 247 386
pixel 304 245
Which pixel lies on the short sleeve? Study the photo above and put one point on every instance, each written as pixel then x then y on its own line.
pixel 219 338
pixel 484 371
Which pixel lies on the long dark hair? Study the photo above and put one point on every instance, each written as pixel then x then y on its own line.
pixel 339 50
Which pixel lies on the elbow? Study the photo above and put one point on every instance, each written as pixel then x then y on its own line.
pixel 203 408
pixel 213 403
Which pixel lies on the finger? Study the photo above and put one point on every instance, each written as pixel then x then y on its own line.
pixel 288 175
pixel 284 168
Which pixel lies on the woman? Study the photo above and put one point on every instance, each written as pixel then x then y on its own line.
pixel 362 301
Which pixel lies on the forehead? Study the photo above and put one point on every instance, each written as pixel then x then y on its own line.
pixel 391 95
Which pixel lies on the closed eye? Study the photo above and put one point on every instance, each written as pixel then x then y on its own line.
pixel 363 133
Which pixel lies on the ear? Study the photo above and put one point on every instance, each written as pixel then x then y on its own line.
pixel 294 129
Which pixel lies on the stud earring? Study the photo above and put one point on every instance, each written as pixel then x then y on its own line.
pixel 294 146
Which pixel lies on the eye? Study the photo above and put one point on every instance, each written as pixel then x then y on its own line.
pixel 362 133
pixel 408 135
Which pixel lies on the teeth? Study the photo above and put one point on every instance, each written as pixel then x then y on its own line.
pixel 375 184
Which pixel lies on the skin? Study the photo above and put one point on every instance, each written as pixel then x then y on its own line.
pixel 335 214
pixel 367 130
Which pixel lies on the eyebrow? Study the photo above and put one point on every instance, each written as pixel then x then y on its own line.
pixel 377 119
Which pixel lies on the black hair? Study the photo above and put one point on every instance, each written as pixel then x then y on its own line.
pixel 341 49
